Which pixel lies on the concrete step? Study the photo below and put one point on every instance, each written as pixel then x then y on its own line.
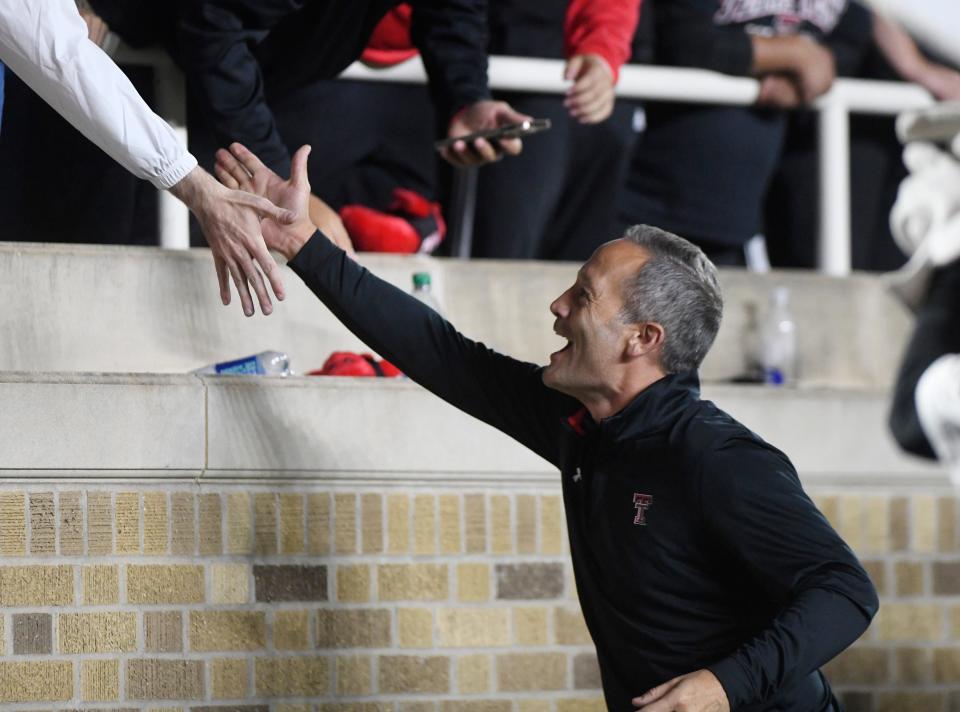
pixel 142 426
pixel 110 309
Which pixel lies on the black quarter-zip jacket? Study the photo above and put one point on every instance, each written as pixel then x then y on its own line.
pixel 693 543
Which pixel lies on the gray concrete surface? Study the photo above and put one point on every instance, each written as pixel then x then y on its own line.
pixel 109 309
pixel 225 427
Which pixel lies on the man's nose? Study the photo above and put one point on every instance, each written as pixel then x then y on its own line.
pixel 558 307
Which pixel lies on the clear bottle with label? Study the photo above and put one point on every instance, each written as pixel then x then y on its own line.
pixel 422 290
pixel 265 363
pixel 778 341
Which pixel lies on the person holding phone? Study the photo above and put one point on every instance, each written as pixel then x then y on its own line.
pixel 554 200
pixel 241 57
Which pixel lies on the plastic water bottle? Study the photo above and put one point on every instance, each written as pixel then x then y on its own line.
pixel 265 363
pixel 778 341
pixel 422 291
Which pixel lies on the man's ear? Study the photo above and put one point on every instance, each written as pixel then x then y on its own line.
pixel 645 337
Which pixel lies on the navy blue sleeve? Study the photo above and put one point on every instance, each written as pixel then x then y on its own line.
pixel 215 39
pixel 501 391
pixel 755 507
pixel 452 38
pixel 851 39
pixel 685 35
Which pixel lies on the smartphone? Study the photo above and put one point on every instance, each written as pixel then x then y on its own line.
pixel 524 128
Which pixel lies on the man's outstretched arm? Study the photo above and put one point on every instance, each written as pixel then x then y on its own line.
pixel 46 45
pixel 499 390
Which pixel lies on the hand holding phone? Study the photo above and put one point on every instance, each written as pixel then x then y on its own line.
pixel 467 146
pixel 517 130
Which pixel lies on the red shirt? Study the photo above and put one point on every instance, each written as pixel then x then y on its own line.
pixel 602 27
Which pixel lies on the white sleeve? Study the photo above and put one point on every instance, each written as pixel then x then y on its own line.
pixel 45 43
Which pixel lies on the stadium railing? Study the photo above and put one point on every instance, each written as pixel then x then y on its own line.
pixel 641 82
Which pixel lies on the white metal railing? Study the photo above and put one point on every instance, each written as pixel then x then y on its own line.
pixel 649 83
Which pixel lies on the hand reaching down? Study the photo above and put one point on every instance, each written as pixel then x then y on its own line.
pixel 241 168
pixel 231 221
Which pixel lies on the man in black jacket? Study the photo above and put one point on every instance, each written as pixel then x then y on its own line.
pixel 708 579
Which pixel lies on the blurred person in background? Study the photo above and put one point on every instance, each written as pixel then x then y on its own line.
pixel 558 199
pixel 925 220
pixel 552 201
pixel 876 168
pixel 47 46
pixel 240 56
pixel 703 171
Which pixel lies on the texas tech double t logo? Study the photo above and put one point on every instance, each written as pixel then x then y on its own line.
pixel 642 502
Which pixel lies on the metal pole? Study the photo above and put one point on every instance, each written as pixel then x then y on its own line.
pixel 834 159
pixel 463 207
pixel 171 94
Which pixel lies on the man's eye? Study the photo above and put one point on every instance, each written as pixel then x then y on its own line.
pixel 582 293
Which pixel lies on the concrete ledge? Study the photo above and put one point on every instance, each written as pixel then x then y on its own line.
pixel 352 430
pixel 126 309
pixel 101 422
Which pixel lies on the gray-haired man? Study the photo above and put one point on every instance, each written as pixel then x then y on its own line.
pixel 708 579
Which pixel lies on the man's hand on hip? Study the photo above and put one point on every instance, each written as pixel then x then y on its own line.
pixel 699 691
pixel 239 168
pixel 482 116
pixel 231 222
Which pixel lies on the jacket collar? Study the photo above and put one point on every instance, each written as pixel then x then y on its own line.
pixel 657 407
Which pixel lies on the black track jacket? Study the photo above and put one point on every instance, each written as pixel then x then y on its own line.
pixel 236 53
pixel 693 544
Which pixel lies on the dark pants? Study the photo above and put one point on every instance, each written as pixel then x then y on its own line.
pixel 557 199
pixel 876 170
pixel 367 139
pixel 937 332
pixel 56 186
pixel 2 72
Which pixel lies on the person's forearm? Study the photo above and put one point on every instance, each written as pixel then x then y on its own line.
pixel 812 630
pixel 898 48
pixel 193 189
pixel 501 391
pixel 226 78
pixel 46 45
pixel 603 27
pixel 776 54
pixel 452 39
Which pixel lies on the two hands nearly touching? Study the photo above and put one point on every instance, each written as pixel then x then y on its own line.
pixel 239 169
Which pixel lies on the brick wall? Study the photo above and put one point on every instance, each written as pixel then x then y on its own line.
pixel 297 598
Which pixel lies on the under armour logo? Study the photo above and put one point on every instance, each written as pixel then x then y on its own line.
pixel 642 502
pixel 577 476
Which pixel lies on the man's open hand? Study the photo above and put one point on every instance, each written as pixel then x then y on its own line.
pixel 482 116
pixel 247 172
pixel 699 691
pixel 590 99
pixel 241 168
pixel 231 222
